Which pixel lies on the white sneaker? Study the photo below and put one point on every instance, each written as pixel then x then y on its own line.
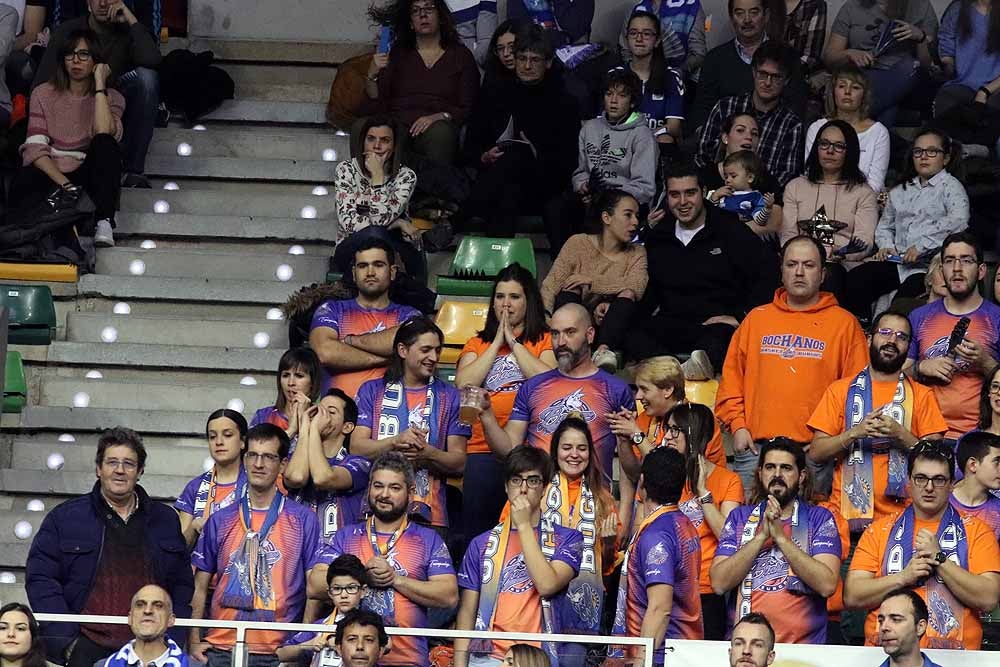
pixel 606 360
pixel 103 236
pixel 698 367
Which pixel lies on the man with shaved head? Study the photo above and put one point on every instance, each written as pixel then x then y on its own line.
pixel 575 386
pixel 150 616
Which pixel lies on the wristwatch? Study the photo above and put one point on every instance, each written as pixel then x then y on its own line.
pixel 707 499
pixel 638 437
pixel 940 557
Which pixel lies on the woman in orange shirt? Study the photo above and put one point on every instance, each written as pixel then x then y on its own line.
pixel 514 345
pixel 578 497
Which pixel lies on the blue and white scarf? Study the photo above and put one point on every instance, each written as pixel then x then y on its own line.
pixel 126 657
pixel 203 504
pixel 395 417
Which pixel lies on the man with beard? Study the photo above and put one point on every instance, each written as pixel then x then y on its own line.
pixel 353 337
pixel 902 623
pixel 409 566
pixel 576 385
pixel 781 554
pixel 514 576
pixel 868 422
pixel 783 356
pixel 258 552
pixel 411 412
pixel 951 561
pixel 956 373
pixel 752 643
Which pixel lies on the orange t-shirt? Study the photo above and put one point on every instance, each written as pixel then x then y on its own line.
pixel 502 382
pixel 984 556
pixel 828 417
pixel 714 450
pixel 724 485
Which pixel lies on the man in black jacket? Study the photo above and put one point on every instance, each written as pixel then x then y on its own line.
pixel 706 271
pixel 92 553
pixel 525 146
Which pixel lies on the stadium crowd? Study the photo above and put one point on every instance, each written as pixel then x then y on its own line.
pixel 752 209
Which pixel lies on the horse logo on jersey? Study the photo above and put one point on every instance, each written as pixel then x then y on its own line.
pixel 585 601
pixel 552 416
pixel 504 373
pixel 658 554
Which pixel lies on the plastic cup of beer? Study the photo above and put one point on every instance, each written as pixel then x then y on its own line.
pixel 468 411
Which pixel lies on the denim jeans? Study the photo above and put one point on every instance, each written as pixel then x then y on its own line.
pixel 745 465
pixel 141 89
pixel 889 87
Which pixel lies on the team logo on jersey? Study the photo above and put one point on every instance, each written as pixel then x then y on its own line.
pixel 515 577
pixel 552 416
pixel 505 374
pixel 792 346
pixel 378 327
pixel 769 572
pixel 658 554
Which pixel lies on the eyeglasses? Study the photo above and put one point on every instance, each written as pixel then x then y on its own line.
pixel 533 481
pixel 937 480
pixel 645 34
pixel 504 48
pixel 964 260
pixel 835 146
pixel 673 431
pixel 82 55
pixel 422 10
pixel 531 61
pixel 901 336
pixel 994 388
pixel 253 457
pixel 127 464
pixel 769 77
pixel 933 151
pixel 350 589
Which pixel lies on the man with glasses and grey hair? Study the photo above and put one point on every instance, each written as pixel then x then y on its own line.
pixel 951 561
pixel 92 553
pixel 955 341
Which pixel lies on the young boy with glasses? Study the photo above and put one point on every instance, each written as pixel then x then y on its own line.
pixel 347 584
pixel 951 561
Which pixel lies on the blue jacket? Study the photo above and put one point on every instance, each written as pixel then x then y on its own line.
pixel 67 549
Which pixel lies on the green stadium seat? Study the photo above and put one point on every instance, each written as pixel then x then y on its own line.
pixel 446 373
pixel 15 387
pixel 333 276
pixel 479 259
pixel 31 312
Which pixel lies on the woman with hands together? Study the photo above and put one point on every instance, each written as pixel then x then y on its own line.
pixel 298 386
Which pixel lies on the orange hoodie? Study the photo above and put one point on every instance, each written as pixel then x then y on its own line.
pixel 780 362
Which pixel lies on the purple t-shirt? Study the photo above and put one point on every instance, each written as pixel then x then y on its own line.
pixel 544 401
pixel 988 512
pixel 420 554
pixel 430 487
pixel 336 509
pixel 797 619
pixel 667 552
pixel 225 495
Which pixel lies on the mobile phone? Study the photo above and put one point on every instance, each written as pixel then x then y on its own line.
pixel 384 40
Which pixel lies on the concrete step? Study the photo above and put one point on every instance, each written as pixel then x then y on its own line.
pixel 153 356
pixel 190 310
pixel 233 265
pixel 13 592
pixel 165 396
pixel 240 168
pixel 282 83
pixel 187 289
pixel 80 458
pixel 76 483
pixel 90 327
pixel 222 204
pixel 264 144
pixel 245 50
pixel 195 226
pixel 225 245
pixel 266 111
pixel 61 419
pixel 26 443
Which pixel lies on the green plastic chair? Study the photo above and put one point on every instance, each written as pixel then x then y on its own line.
pixel 15 387
pixel 31 313
pixel 479 259
pixel 446 373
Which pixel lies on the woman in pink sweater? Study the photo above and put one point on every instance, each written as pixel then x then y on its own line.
pixel 74 127
pixel 604 270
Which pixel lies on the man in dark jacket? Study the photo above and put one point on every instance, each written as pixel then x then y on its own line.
pixel 525 146
pixel 129 48
pixel 706 271
pixel 91 554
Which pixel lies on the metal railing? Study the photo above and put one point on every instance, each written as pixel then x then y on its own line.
pixel 241 628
